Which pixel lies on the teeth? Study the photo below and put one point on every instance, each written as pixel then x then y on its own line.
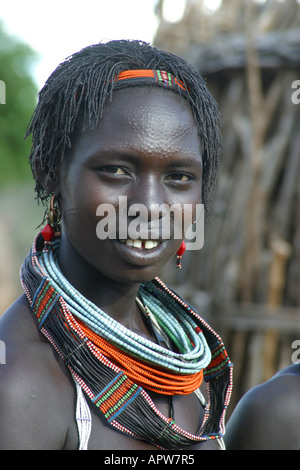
pixel 148 244
pixel 136 243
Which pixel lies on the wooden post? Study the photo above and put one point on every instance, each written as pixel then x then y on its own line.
pixel 281 253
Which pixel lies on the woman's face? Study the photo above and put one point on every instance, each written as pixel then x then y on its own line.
pixel 146 150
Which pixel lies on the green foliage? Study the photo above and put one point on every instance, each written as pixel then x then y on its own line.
pixel 20 93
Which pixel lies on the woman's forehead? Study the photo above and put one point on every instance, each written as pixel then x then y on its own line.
pixel 152 118
pixel 137 96
pixel 148 108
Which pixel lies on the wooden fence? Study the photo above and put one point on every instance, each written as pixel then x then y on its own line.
pixel 260 340
pixel 246 279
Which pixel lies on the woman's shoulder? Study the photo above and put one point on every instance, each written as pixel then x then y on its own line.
pixel 268 415
pixel 32 383
pixel 17 316
pixel 24 345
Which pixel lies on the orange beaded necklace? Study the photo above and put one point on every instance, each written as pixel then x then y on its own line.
pixel 151 378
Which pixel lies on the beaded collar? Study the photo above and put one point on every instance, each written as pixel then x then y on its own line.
pixel 96 349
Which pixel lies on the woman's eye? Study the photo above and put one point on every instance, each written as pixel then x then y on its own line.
pixel 115 170
pixel 182 177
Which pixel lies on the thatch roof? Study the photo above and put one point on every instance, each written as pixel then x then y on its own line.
pixel 275 50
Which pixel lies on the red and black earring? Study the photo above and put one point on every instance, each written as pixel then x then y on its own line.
pixel 52 228
pixel 180 253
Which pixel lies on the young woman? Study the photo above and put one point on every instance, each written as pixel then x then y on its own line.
pixel 100 353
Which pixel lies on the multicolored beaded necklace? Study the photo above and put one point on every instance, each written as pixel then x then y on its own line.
pixel 114 366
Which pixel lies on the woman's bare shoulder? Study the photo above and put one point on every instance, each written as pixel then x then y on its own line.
pixel 24 345
pixel 268 416
pixel 32 384
pixel 18 321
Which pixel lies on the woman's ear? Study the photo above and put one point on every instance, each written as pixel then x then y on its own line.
pixel 50 181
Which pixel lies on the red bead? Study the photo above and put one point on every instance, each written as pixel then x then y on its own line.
pixel 198 330
pixel 48 233
pixel 181 249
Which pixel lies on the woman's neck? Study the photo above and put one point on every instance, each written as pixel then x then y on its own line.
pixel 116 298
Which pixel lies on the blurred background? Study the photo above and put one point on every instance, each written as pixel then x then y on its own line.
pixel 246 279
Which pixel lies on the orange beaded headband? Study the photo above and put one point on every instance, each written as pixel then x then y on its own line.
pixel 140 77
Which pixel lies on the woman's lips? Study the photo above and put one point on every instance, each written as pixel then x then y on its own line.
pixel 141 252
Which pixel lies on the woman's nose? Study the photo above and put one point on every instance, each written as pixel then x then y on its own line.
pixel 147 205
pixel 149 193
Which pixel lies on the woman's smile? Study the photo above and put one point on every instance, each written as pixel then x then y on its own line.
pixel 141 252
pixel 141 244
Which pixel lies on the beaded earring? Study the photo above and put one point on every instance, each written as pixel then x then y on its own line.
pixel 179 253
pixel 52 228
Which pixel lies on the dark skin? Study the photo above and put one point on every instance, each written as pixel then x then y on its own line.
pixel 147 148
pixel 268 416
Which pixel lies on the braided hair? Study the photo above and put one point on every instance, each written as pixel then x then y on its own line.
pixel 74 96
